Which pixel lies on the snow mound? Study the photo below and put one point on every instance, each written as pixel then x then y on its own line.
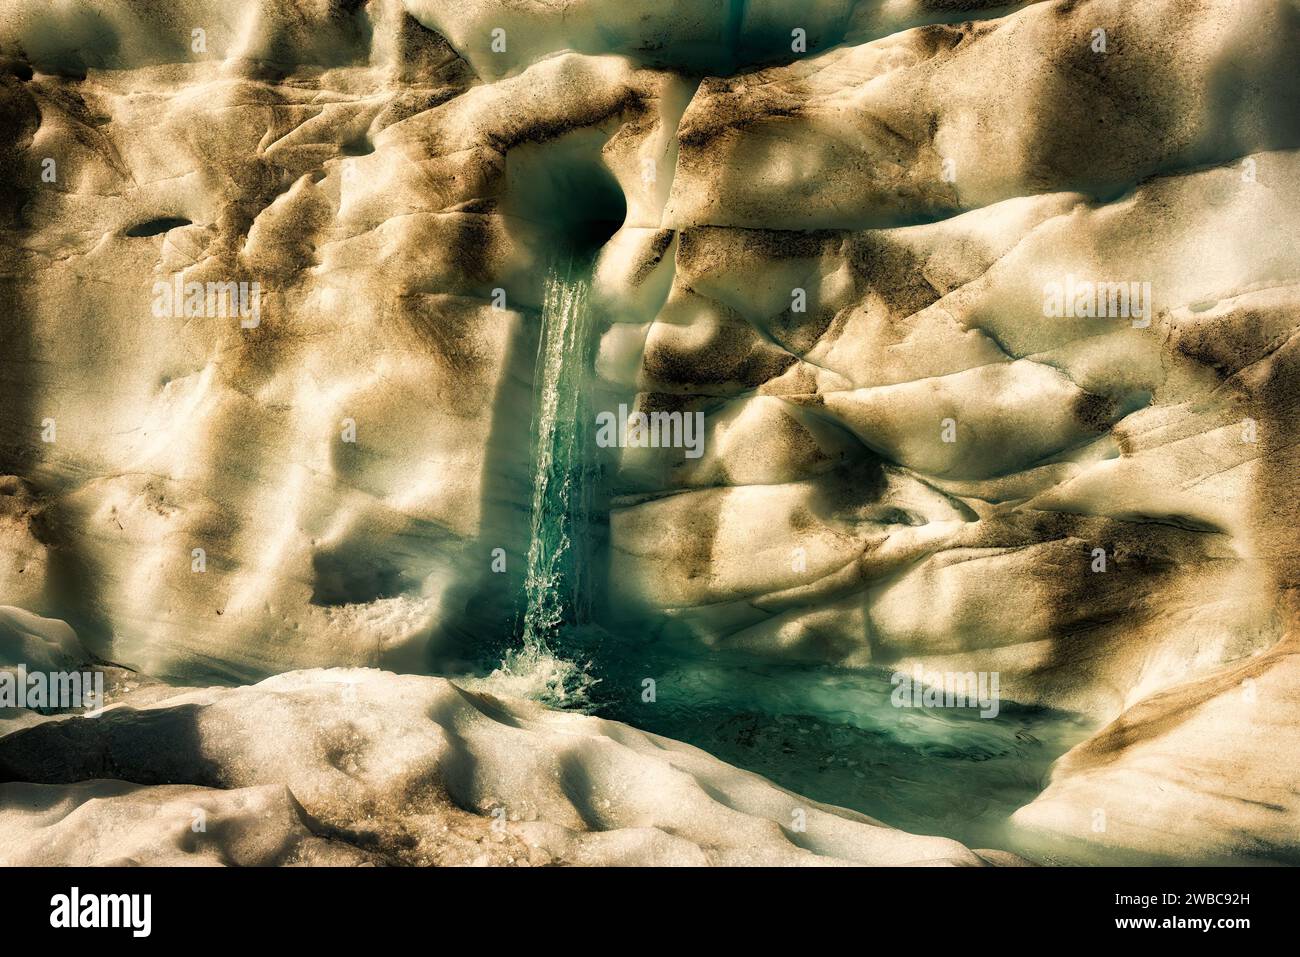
pixel 404 769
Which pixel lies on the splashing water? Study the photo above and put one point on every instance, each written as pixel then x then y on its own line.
pixel 556 585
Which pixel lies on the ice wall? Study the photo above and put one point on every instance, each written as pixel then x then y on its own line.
pixel 832 229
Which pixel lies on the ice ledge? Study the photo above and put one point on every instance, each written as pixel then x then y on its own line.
pixel 363 766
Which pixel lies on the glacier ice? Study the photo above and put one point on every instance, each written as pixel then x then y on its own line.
pixel 825 229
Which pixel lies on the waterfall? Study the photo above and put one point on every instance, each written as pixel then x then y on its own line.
pixel 556 592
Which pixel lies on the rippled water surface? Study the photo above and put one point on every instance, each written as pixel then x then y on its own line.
pixel 836 737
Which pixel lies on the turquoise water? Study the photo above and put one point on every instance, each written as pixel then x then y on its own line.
pixel 556 590
pixel 830 734
pixel 833 734
pixel 557 587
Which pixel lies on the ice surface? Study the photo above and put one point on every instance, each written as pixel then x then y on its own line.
pixel 348 481
pixel 404 769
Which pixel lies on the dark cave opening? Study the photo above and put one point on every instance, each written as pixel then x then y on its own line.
pixel 564 189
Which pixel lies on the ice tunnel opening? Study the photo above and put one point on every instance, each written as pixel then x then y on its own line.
pixel 563 189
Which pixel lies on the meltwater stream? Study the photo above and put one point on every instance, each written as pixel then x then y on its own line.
pixel 831 735
pixel 556 581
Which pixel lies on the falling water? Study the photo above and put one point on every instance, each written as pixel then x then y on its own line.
pixel 556 592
